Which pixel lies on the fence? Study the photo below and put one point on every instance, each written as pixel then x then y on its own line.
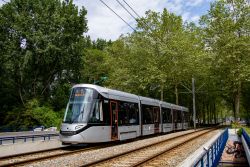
pixel 212 155
pixel 246 144
pixel 246 137
pixel 15 139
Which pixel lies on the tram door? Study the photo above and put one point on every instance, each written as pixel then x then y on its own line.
pixel 156 119
pixel 114 120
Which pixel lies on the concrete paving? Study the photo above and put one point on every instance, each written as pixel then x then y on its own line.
pixel 18 148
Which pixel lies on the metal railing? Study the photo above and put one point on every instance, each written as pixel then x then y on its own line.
pixel 212 154
pixel 246 144
pixel 15 139
pixel 246 137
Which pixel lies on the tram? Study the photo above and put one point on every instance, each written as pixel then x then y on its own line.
pixel 96 114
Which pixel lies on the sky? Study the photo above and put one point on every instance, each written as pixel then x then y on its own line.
pixel 103 23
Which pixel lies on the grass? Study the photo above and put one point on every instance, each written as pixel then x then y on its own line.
pixel 247 129
pixel 238 126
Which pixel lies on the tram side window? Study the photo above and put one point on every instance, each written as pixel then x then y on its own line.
pixel 147 114
pixel 166 115
pixel 128 113
pixel 96 115
pixel 106 112
pixel 179 116
pixel 186 117
pixel 156 114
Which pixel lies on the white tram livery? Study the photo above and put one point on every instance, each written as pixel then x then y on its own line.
pixel 96 114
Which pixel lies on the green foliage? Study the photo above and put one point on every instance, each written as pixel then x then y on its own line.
pixel 239 132
pixel 43 53
pixel 226 32
pixel 151 61
pixel 60 95
pixel 32 115
pixel 247 129
pixel 42 48
pixel 39 39
pixel 41 115
pixel 95 66
pixel 236 124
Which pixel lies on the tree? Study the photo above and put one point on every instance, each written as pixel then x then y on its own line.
pixel 226 31
pixel 95 66
pixel 41 42
pixel 159 56
pixel 42 48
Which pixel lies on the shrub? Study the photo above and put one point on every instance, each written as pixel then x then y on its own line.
pixel 42 115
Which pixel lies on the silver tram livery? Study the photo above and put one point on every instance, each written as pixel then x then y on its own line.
pixel 96 114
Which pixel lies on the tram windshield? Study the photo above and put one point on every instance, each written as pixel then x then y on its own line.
pixel 83 105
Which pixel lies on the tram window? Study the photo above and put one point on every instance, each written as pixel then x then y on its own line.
pixel 175 116
pixel 166 115
pixel 95 114
pixel 147 114
pixel 128 113
pixel 156 114
pixel 179 116
pixel 106 112
pixel 185 117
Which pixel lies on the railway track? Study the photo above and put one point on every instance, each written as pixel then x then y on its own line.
pixel 53 154
pixel 146 155
pixel 37 156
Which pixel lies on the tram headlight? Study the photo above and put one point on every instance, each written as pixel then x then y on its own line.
pixel 79 127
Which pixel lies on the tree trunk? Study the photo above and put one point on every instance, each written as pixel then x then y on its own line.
pixel 237 102
pixel 215 115
pixel 161 92
pixel 176 95
pixel 21 96
pixel 208 115
pixel 203 112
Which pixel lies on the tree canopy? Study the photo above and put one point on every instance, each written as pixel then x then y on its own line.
pixel 42 46
pixel 44 51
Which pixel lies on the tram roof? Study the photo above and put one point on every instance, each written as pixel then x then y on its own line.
pixel 111 93
pixel 176 107
pixel 123 96
pixel 165 104
pixel 149 101
pixel 185 109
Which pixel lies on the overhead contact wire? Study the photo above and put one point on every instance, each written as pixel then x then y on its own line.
pixel 117 14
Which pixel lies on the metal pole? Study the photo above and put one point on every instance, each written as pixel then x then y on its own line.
pixel 194 113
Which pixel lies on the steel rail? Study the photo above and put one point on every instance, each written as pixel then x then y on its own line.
pixel 147 160
pixel 102 160
pixel 43 158
pixel 30 153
